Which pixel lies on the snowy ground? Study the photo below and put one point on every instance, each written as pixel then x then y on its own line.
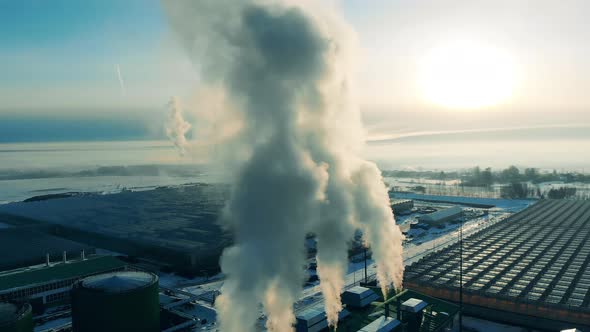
pixel 479 325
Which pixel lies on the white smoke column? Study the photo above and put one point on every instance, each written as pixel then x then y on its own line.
pixel 285 68
pixel 176 126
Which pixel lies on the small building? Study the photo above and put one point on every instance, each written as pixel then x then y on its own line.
pixel 311 320
pixel 412 311
pixel 359 297
pixel 442 216
pixel 382 324
pixel 314 319
pixel 402 206
pixel 47 285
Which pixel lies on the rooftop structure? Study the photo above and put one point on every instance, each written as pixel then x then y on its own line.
pixel 400 206
pixel 359 297
pixel 535 263
pixel 382 324
pixel 413 305
pixel 442 216
pixel 44 285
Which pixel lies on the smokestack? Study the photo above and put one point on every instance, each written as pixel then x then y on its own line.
pixel 83 255
pixel 64 257
pixel 47 262
pixel 284 69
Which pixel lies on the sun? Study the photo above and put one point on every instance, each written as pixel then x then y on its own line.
pixel 467 76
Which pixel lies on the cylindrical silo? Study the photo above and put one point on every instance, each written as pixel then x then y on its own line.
pixel 16 318
pixel 119 301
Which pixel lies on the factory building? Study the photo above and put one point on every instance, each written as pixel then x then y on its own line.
pixel 532 269
pixel 402 206
pixel 191 240
pixel 29 246
pixel 442 216
pixel 119 301
pixel 15 317
pixel 49 284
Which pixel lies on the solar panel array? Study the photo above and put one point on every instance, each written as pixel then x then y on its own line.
pixel 541 254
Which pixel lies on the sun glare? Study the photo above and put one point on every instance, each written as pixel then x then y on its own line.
pixel 467 76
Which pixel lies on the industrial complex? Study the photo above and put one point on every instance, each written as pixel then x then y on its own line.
pixel 532 269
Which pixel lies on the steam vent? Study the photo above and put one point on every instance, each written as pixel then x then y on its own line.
pixel 15 318
pixel 119 301
pixel 534 268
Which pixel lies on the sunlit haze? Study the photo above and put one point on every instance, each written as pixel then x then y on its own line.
pixel 467 76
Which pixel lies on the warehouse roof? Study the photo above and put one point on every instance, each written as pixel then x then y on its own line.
pixel 72 269
pixel 28 247
pixel 442 214
pixel 540 255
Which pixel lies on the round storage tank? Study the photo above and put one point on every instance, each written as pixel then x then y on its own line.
pixel 119 301
pixel 16 318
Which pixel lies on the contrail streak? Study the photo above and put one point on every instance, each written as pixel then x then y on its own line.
pixel 121 82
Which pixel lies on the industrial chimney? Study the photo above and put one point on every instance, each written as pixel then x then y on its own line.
pixel 83 255
pixel 47 262
pixel 64 257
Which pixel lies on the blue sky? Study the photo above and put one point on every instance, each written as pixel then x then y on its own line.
pixel 58 58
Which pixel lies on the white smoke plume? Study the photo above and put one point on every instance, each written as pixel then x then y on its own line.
pixel 177 126
pixel 285 68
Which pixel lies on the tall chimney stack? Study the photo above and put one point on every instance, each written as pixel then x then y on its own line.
pixel 65 259
pixel 47 262
pixel 83 255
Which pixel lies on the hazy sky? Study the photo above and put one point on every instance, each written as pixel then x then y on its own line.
pixel 59 60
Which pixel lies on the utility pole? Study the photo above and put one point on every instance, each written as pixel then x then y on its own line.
pixel 366 265
pixel 461 277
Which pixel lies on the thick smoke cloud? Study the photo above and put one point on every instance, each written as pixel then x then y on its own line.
pixel 285 70
pixel 176 126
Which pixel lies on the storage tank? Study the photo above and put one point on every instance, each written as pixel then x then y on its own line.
pixel 119 301
pixel 16 317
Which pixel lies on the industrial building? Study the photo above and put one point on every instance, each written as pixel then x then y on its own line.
pixel 175 226
pixel 29 246
pixel 49 284
pixel 401 206
pixel 532 269
pixel 441 216
pixel 119 301
pixel 15 317
pixel 408 311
